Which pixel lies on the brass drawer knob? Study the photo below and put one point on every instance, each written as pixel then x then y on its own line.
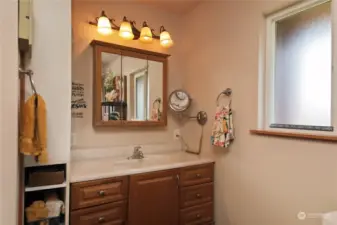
pixel 101 220
pixel 198 175
pixel 101 193
pixel 198 216
pixel 198 195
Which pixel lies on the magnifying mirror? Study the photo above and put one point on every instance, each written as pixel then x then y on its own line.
pixel 179 101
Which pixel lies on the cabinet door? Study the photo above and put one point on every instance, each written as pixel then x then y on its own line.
pixel 154 198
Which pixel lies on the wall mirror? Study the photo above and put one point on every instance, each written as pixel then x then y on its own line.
pixel 130 86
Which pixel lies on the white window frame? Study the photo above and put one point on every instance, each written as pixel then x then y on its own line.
pixel 267 65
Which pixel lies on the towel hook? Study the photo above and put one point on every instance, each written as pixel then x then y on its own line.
pixel 29 73
pixel 227 92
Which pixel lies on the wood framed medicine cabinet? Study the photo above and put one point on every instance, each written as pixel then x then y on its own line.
pixel 129 86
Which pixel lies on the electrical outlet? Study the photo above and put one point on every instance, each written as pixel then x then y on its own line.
pixel 176 134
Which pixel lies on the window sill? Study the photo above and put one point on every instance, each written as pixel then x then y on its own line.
pixel 295 135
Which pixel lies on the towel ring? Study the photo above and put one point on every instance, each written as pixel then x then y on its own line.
pixel 228 93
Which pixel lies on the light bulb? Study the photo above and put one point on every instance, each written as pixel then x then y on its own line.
pixel 145 34
pixel 104 25
pixel 165 38
pixel 125 31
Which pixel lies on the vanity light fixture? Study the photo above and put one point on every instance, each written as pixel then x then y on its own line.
pixel 165 38
pixel 125 31
pixel 145 34
pixel 128 30
pixel 104 25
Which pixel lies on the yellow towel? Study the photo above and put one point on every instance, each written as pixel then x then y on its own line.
pixel 33 137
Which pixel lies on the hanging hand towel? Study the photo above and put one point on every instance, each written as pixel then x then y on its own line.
pixel 33 138
pixel 223 129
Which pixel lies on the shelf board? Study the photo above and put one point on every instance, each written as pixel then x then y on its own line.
pixel 30 162
pixel 47 187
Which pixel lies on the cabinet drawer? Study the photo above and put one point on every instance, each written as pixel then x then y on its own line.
pixel 197 215
pixel 195 195
pixel 98 192
pixel 108 214
pixel 196 175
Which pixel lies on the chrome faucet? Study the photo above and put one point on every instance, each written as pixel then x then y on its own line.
pixel 137 153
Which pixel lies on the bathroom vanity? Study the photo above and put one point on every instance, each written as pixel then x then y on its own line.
pixel 180 195
pixel 130 90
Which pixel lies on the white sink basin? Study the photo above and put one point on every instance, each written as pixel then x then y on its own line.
pixel 148 160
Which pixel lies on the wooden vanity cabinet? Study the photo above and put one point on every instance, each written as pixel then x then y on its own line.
pixel 182 196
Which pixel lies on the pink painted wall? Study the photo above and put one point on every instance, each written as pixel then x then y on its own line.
pixel 260 180
pixel 84 135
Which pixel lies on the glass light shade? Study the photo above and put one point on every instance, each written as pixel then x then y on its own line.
pixel 165 39
pixel 125 31
pixel 104 26
pixel 145 35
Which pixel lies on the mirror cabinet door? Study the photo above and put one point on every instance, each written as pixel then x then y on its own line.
pixel 144 88
pixel 135 72
pixel 156 93
pixel 113 107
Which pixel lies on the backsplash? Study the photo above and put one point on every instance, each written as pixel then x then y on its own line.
pixel 122 151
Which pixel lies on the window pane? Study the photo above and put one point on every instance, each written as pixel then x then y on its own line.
pixel 303 68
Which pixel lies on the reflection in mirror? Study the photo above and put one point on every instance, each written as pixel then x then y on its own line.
pixel 144 90
pixel 135 70
pixel 156 90
pixel 113 107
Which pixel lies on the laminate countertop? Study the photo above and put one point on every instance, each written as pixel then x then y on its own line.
pixel 99 168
